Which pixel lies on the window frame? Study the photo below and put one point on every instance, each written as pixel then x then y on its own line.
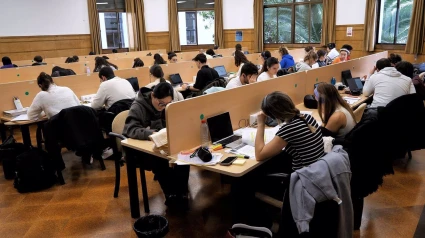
pixel 293 6
pixel 117 11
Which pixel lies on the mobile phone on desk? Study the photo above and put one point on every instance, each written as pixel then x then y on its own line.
pixel 228 161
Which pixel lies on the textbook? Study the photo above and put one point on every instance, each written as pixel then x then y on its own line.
pixel 159 138
pixel 15 112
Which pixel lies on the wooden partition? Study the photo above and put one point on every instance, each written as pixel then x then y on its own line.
pixel 187 70
pixel 227 62
pixel 23 74
pixel 185 56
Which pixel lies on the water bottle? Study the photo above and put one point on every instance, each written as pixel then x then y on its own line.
pixel 88 70
pixel 333 81
pixel 205 139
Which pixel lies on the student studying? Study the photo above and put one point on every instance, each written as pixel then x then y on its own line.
pixel 204 76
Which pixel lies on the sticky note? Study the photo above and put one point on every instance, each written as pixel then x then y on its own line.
pixel 239 162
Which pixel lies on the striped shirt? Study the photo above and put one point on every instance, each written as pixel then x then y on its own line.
pixel 304 146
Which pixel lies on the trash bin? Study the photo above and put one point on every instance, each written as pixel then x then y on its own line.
pixel 151 226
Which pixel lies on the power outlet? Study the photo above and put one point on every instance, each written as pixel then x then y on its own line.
pixel 253 118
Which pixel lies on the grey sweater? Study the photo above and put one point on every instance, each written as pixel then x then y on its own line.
pixel 326 179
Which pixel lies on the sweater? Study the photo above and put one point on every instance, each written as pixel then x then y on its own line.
pixel 387 85
pixel 52 102
pixel 112 91
pixel 302 66
pixel 287 61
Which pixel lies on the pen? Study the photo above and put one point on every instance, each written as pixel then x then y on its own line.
pixel 243 156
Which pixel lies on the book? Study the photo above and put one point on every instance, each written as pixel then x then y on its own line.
pixel 160 138
pixel 15 112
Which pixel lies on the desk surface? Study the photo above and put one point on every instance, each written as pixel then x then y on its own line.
pixel 8 122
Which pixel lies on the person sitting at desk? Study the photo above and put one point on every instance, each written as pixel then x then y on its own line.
pixel 337 116
pixel 172 57
pixel 308 62
pixel 101 62
pixel 138 63
pixel 407 69
pixel 287 60
pixel 76 58
pixel 240 60
pixel 7 63
pixel 210 52
pixel 147 116
pixel 394 59
pixel 69 60
pixel 157 75
pixel 158 59
pixel 349 48
pixel 249 74
pixel 269 71
pixel 321 55
pixel 332 53
pixel 205 74
pixel 52 98
pixel 343 56
pixel 38 60
pixel 265 55
pixel 112 89
pixel 386 84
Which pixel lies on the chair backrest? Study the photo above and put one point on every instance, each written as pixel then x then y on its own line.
pixel 118 126
pixel 358 113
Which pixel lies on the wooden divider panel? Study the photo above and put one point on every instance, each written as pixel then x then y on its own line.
pixel 24 90
pixel 227 62
pixel 186 70
pixel 23 74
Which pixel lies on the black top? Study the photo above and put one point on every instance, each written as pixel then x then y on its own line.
pixel 204 77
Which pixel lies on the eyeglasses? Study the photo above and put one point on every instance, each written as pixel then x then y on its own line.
pixel 161 104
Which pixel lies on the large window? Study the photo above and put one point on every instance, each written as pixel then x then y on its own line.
pixel 196 22
pixel 394 21
pixel 113 24
pixel 293 21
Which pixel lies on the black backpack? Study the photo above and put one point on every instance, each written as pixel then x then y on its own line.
pixel 9 150
pixel 34 171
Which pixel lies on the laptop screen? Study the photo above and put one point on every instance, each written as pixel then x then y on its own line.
pixel 355 84
pixel 176 79
pixel 346 74
pixel 221 70
pixel 220 127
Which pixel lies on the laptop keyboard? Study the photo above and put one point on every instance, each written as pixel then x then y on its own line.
pixel 229 140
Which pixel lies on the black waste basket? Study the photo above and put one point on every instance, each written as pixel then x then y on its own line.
pixel 151 226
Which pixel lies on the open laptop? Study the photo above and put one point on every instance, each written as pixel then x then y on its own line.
pixel 345 75
pixel 221 131
pixel 221 71
pixel 176 80
pixel 355 85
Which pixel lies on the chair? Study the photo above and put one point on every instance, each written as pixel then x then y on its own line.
pixel 117 128
pixel 358 113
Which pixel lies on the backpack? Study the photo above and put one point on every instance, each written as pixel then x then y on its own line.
pixel 34 171
pixel 9 150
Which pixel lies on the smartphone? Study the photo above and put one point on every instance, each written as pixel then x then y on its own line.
pixel 228 161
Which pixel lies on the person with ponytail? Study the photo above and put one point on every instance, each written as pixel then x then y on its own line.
pixel 52 98
pixel 309 60
pixel 269 70
pixel 264 56
pixel 138 63
pixel 156 77
pixel 158 59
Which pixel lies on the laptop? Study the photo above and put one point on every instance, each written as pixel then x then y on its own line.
pixel 221 71
pixel 176 80
pixel 355 85
pixel 346 74
pixel 221 131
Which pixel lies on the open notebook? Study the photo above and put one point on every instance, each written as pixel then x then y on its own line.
pixel 159 138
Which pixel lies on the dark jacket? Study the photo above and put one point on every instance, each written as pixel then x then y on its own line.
pixel 419 86
pixel 143 119
pixel 204 77
pixel 120 106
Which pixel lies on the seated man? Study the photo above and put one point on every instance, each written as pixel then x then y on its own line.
pixel 38 60
pixel 205 74
pixel 249 74
pixel 147 116
pixel 112 89
pixel 386 84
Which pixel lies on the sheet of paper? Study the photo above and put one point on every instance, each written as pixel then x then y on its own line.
pixel 247 150
pixel 248 136
pixel 23 117
pixel 185 159
pixel 351 100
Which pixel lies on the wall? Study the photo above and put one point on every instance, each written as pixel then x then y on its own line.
pixel 156 15
pixel 350 12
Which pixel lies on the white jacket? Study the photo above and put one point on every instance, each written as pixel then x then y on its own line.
pixel 387 85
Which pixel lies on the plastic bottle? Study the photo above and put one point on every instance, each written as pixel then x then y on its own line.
pixel 88 70
pixel 205 139
pixel 333 81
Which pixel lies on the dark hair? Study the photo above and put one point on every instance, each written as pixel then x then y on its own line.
pixel 331 45
pixel 114 51
pixel 308 49
pixel 210 52
pixel 157 72
pixel 171 54
pixel 269 63
pixel 395 58
pixel 348 47
pixel 158 59
pixel 283 50
pixel 38 59
pixel 44 81
pixel 76 58
pixel 238 47
pixel 92 53
pixel 102 62
pixel 383 63
pixel 59 71
pixel 107 72
pixel 69 60
pixel 163 90
pixel 266 54
pixel 216 47
pixel 201 58
pixel 249 69
pixel 240 58
pixel 329 101
pixel 310 55
pixel 321 53
pixel 138 63
pixel 405 68
pixel 105 57
pixel 6 60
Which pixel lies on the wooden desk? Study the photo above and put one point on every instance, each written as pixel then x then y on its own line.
pixel 24 126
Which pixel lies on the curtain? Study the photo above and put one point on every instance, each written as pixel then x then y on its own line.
pixel 415 40
pixel 329 22
pixel 258 25
pixel 136 25
pixel 173 24
pixel 218 22
pixel 94 27
pixel 370 25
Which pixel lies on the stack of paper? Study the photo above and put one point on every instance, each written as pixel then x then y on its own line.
pixel 351 100
pixel 23 117
pixel 15 112
pixel 248 135
pixel 185 159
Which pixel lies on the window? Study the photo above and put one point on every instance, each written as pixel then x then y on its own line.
pixel 394 21
pixel 293 21
pixel 113 24
pixel 196 22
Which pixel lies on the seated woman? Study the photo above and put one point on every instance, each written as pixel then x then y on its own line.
pixel 264 56
pixel 210 52
pixel 52 98
pixel 269 71
pixel 337 116
pixel 321 55
pixel 69 60
pixel 101 62
pixel 158 59
pixel 138 63
pixel 157 75
pixel 147 116
pixel 349 48
pixel 343 56
pixel 332 53
pixel 287 60
pixel 172 57
pixel 240 60
pixel 309 60
pixel 7 63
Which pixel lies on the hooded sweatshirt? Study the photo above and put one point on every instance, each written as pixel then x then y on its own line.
pixel 287 61
pixel 143 119
pixel 302 66
pixel 387 85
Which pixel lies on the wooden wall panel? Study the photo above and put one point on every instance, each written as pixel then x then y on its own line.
pixel 26 47
pixel 158 40
pixel 247 40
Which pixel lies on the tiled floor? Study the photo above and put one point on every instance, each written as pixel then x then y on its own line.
pixel 85 207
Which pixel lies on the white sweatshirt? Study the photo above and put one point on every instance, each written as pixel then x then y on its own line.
pixel 112 91
pixel 52 102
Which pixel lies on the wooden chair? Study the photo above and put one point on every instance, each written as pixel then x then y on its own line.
pixel 358 113
pixel 117 128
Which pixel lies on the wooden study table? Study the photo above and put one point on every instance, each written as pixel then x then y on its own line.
pixel 24 126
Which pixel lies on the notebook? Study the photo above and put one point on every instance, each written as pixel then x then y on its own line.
pixel 160 138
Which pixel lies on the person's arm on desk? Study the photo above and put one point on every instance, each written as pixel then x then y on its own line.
pixel 134 127
pixel 369 86
pixel 35 109
pixel 99 99
pixel 274 147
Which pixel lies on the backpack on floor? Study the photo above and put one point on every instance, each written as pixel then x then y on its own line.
pixel 245 231
pixel 34 171
pixel 9 150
